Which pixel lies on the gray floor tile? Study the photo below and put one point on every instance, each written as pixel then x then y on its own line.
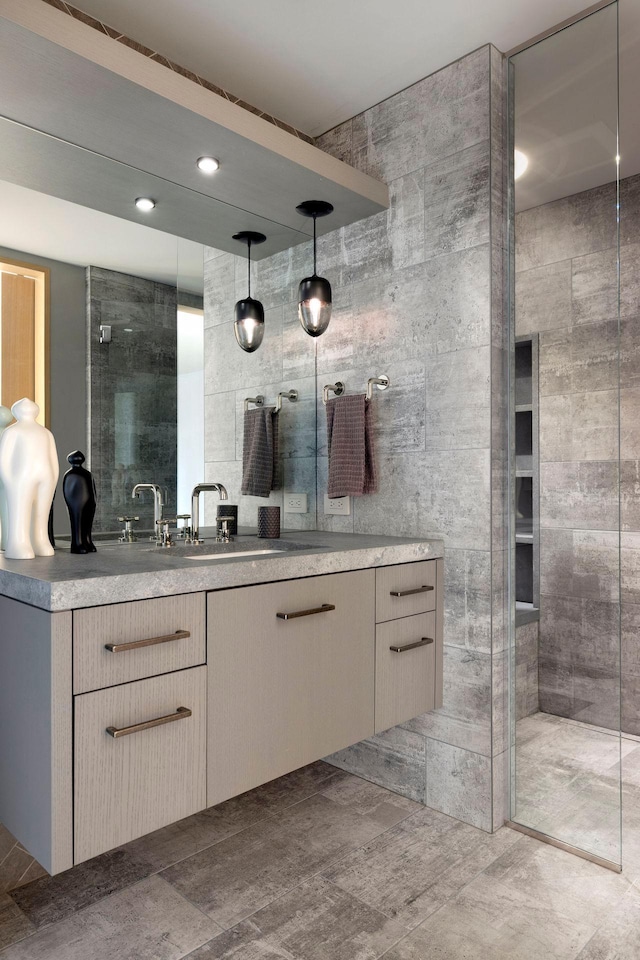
pixel 369 799
pixel 149 921
pixel 242 874
pixel 586 892
pixel 50 899
pixel 316 921
pixel 493 922
pixel 619 937
pixel 14 925
pixel 412 869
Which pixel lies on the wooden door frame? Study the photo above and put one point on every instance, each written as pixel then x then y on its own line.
pixel 28 270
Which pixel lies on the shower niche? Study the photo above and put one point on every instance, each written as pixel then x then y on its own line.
pixel 527 480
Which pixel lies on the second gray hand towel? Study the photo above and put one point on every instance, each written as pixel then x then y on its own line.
pixel 352 465
pixel 260 451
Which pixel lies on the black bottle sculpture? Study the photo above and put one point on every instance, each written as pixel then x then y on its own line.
pixel 79 491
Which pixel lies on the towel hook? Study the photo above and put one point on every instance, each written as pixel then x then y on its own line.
pixel 291 395
pixel 337 388
pixel 259 401
pixel 380 382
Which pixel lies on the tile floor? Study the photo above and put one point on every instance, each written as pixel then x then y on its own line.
pixel 321 865
pixel 568 785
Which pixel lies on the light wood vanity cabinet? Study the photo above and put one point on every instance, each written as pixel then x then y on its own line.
pixel 119 719
pixel 291 676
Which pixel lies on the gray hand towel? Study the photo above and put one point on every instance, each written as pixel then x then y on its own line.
pixel 260 451
pixel 352 464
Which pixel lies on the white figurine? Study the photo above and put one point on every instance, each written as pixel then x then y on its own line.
pixel 29 473
pixel 5 419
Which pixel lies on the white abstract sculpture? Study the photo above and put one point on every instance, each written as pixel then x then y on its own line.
pixel 29 473
pixel 5 419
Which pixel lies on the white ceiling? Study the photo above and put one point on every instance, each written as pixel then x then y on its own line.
pixel 315 63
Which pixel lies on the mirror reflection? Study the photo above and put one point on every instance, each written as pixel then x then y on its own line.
pixel 124 335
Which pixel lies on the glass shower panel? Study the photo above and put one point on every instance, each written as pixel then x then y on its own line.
pixel 564 418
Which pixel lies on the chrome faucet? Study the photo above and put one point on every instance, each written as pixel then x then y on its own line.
pixel 157 505
pixel 195 506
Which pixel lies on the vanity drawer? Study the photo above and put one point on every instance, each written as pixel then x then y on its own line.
pixel 291 676
pixel 405 674
pixel 128 641
pixel 138 781
pixel 405 590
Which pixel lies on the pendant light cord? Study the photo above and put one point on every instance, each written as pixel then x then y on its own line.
pixel 314 244
pixel 249 268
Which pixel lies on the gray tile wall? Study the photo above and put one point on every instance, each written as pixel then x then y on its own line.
pixel 132 392
pixel 419 296
pixel 566 288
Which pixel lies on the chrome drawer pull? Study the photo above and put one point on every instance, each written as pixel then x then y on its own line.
pixel 409 593
pixel 150 642
pixel 411 646
pixel 181 714
pixel 306 613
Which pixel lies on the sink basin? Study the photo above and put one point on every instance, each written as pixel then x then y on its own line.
pixel 230 554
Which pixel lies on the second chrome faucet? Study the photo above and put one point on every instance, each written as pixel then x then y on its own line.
pixel 195 505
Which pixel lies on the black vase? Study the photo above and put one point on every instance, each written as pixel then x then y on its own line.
pixel 79 491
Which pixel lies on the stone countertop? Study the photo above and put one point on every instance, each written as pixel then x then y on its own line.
pixel 139 571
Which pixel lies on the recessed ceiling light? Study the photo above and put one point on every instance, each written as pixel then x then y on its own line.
pixel 128 329
pixel 520 163
pixel 207 164
pixel 145 203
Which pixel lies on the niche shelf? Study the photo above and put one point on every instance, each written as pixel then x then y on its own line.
pixel 527 525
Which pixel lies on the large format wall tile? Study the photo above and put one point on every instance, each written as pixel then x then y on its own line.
pixel 456 212
pixel 543 297
pixel 437 117
pixel 579 495
pixel 459 782
pixel 582 224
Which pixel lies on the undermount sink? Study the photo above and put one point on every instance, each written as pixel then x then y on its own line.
pixel 230 554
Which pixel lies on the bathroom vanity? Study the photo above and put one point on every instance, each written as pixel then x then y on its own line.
pixel 139 686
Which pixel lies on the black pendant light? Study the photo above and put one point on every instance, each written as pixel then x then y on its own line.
pixel 249 313
pixel 314 293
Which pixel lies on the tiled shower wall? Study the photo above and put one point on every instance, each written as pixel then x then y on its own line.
pixel 132 391
pixel 418 295
pixel 567 289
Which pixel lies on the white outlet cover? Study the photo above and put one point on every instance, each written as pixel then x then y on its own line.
pixel 295 503
pixel 337 506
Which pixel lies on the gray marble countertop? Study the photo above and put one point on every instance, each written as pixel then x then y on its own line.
pixel 139 571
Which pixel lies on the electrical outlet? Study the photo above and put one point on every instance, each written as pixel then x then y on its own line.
pixel 338 506
pixel 295 503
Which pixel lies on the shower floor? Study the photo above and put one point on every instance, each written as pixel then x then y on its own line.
pixel 567 785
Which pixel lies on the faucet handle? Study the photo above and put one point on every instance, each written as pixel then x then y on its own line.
pixel 164 532
pixel 184 532
pixel 224 536
pixel 128 536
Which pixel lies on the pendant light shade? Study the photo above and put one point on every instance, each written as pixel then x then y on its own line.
pixel 314 293
pixel 248 324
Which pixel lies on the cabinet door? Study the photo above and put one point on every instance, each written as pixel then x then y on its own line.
pixel 405 669
pixel 285 692
pixel 142 779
